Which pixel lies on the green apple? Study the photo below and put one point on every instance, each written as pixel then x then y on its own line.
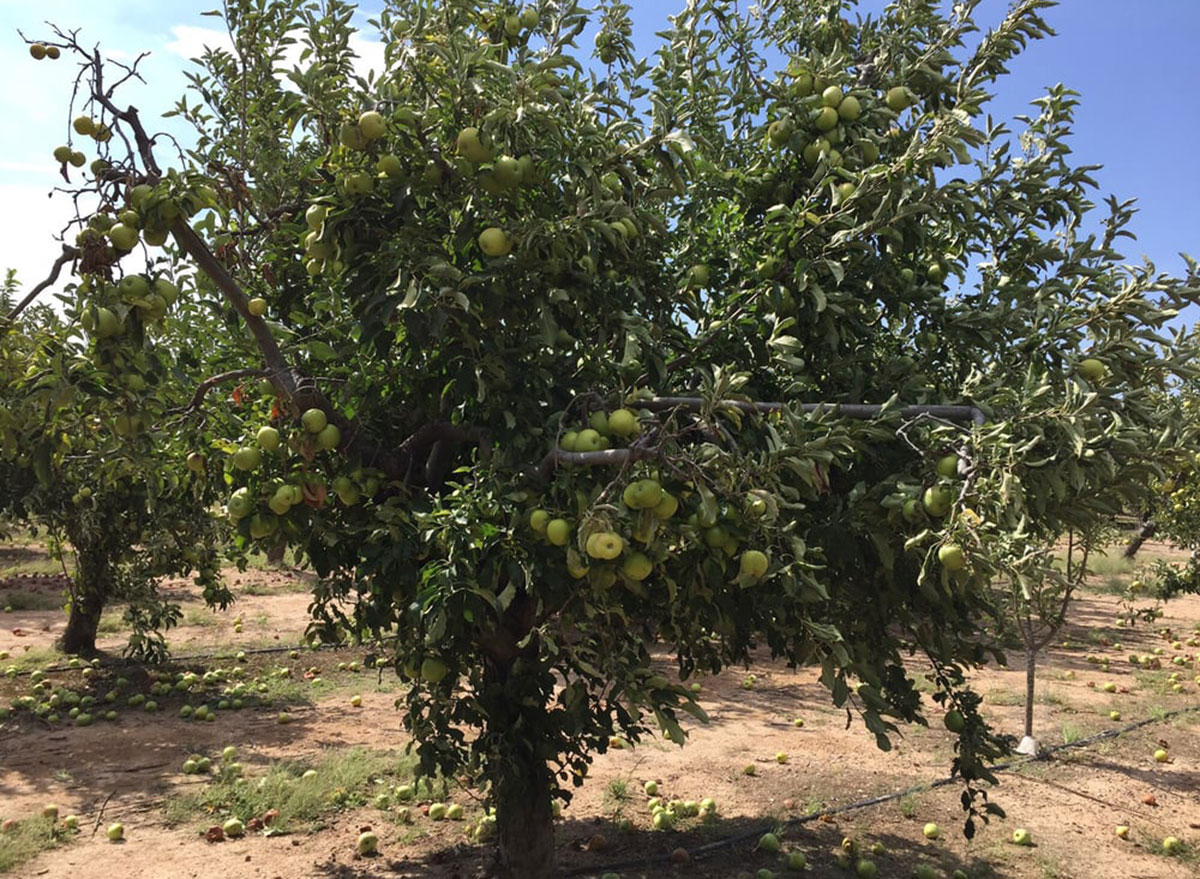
pixel 865 869
pixel 796 861
pixel 666 507
pixel 947 467
pixel 1114 715
pixel 1161 755
pixel 470 144
pixel 437 811
pixel 930 831
pixel 257 306
pixel 50 812
pixel 558 531
pixel 651 788
pixel 954 722
pixel 753 563
pixel 314 420
pixel 849 108
pixel 433 670
pixel 495 242
pixel 623 423
pixel 662 820
pixel 329 437
pixel 952 557
pixel 71 822
pixel 123 237
pixel 368 843
pixel 637 567
pixel 1171 845
pixel 315 216
pixel 1021 836
pixel 937 500
pixel 769 843
pixel 267 438
pixel 605 545
pixel 454 812
pixel 1123 831
pixel 247 458
pixel 897 99
pixel 358 183
pixel 827 119
pixel 116 832
pixel 234 828
pixel 1091 369
pixel 538 520
pixel 371 125
pixel 924 871
pixel 389 166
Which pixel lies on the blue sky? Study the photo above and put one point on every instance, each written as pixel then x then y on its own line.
pixel 1131 61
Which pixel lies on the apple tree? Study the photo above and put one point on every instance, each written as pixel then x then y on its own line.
pixel 85 455
pixel 575 360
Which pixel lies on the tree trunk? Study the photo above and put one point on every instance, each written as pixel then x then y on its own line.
pixel 525 821
pixel 89 592
pixel 83 622
pixel 1148 530
pixel 513 697
pixel 1030 673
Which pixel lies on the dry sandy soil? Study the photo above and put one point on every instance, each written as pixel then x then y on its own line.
pixel 129 769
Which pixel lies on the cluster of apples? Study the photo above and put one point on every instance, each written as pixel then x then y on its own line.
pixel 280 495
pixel 665 813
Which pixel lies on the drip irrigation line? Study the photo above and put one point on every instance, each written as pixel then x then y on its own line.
pixel 792 823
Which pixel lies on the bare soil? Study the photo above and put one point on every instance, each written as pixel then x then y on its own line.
pixel 1071 803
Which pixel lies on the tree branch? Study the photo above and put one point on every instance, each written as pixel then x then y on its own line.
pixel 68 254
pixel 846 410
pixel 209 383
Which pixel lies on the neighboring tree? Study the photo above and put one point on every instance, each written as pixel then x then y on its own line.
pixel 566 364
pixel 85 458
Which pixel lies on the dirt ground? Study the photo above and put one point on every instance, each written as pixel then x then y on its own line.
pixel 129 769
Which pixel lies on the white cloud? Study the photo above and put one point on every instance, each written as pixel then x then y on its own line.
pixel 28 234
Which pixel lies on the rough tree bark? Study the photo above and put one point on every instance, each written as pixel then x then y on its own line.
pixel 1030 681
pixel 89 592
pixel 1148 530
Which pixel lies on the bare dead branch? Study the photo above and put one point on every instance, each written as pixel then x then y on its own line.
pixel 69 254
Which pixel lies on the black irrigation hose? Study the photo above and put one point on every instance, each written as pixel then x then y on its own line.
pixel 792 823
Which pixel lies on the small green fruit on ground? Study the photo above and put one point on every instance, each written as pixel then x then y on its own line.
pixel 865 869
pixel 368 843
pixel 1021 836
pixel 930 830
pixel 796 861
pixel 1122 831
pixel 1161 756
pixel 1171 845
pixel 769 843
pixel 651 788
pixel 437 811
pixel 116 832
pixel 234 828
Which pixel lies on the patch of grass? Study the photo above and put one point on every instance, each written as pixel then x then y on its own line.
pixel 288 587
pixel 27 839
pixel 1045 696
pixel 814 807
pixel 19 599
pixel 1003 697
pixel 112 623
pixel 617 791
pixel 907 805
pixel 344 778
pixel 199 616
pixel 1071 733
pixel 1050 867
